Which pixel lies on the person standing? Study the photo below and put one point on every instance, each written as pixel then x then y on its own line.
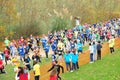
pixel 74 60
pixel 67 58
pixel 94 51
pixel 111 44
pixel 99 46
pixel 7 43
pixel 91 52
pixel 36 69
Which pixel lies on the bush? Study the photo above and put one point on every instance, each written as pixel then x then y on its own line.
pixel 59 24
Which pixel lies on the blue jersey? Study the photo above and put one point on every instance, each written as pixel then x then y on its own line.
pixel 74 58
pixel 21 51
pixel 79 46
pixel 53 57
pixel 44 41
pixel 47 47
pixel 72 45
pixel 54 46
pixel 67 58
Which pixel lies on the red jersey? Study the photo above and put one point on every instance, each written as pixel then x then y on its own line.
pixel 53 77
pixel 23 76
pixel 1 64
pixel 6 52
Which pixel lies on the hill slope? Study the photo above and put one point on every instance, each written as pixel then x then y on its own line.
pixel 106 69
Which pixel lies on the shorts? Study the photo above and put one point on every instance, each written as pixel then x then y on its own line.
pixel 60 57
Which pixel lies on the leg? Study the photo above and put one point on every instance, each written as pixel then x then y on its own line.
pixel 70 66
pixel 67 66
pixel 6 61
pixel 92 57
pixel 36 77
pixel 46 54
pixel 77 65
pixel 100 54
pixel 113 49
pixel 110 50
pixel 58 77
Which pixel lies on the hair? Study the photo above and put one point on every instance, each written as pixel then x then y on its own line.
pixel 21 71
pixel 90 44
pixel 98 41
pixel 56 61
pixel 93 42
pixel 35 62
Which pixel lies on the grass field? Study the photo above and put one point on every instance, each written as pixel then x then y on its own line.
pixel 106 69
pixel 10 71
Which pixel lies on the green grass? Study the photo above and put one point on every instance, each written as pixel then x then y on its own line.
pixel 10 70
pixel 86 47
pixel 106 69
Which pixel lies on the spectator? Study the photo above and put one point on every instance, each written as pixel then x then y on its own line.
pixel 99 46
pixel 111 45
pixel 94 51
pixel 67 58
pixel 91 52
pixel 74 60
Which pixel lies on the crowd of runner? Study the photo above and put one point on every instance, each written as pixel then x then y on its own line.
pixel 66 44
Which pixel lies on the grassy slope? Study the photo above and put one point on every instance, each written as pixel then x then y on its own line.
pixel 10 71
pixel 106 69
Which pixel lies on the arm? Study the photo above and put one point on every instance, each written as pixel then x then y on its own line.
pixel 28 76
pixel 62 68
pixel 51 68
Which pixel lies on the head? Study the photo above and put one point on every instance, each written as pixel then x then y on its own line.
pixel 5 48
pixel 98 42
pixel 6 38
pixel 93 43
pixel 35 62
pixel 26 56
pixel 89 44
pixel 56 62
pixel 20 70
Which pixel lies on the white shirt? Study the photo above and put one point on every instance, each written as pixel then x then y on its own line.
pixel 113 31
pixel 91 49
pixel 0 56
pixel 77 22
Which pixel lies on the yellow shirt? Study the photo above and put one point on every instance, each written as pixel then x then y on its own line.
pixel 111 42
pixel 60 45
pixel 36 69
pixel 16 62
